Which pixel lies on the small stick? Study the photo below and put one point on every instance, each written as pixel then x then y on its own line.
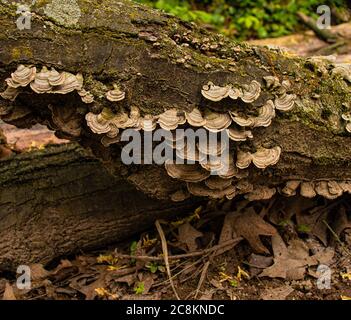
pixel 165 256
pixel 181 256
pixel 202 278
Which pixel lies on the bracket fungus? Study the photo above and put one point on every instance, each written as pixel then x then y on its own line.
pixel 290 188
pixel 328 189
pixel 202 190
pixel 10 93
pixel 272 82
pixel 238 134
pixel 115 95
pixel 186 172
pixel 22 77
pixel 264 119
pixel 261 193
pixel 41 83
pixel 251 92
pixel 195 118
pixel 171 119
pixel 86 96
pixel 99 123
pixel 307 189
pixel 343 70
pixel 262 158
pixel 285 102
pixel 216 122
pixel 215 93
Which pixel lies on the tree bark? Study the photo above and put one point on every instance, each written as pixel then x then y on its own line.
pixel 59 201
pixel 163 63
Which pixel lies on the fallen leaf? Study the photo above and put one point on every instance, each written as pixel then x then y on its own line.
pixel 251 226
pixel 227 234
pixel 217 284
pixel 207 295
pixel 345 298
pixel 289 262
pixel 341 221
pixel 8 293
pixel 258 262
pixel 187 234
pixel 315 223
pixel 128 279
pixel 148 283
pixel 38 272
pixel 279 293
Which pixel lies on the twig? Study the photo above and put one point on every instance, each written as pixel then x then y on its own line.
pixel 180 272
pixel 337 238
pixel 165 256
pixel 181 256
pixel 202 278
pixel 322 34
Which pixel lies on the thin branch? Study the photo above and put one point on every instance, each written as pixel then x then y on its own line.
pixel 165 256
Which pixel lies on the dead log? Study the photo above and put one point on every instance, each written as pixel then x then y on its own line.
pixel 59 201
pixel 110 59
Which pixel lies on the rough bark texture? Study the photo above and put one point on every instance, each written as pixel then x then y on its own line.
pixel 161 63
pixel 59 201
pixel 152 56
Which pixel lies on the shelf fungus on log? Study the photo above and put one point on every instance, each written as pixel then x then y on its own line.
pixel 290 188
pixel 171 119
pixel 186 172
pixel 251 92
pixel 262 158
pixel 265 116
pixel 195 118
pixel 22 77
pixel 202 190
pixel 239 96
pixel 260 193
pixel 239 134
pixel 216 122
pixel 115 95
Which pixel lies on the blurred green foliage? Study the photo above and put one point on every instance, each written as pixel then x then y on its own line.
pixel 245 19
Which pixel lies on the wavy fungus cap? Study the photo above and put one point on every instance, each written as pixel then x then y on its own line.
pixel 186 172
pixel 22 76
pixel 251 92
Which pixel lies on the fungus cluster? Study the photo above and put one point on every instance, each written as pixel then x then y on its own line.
pixel 310 189
pixel 237 124
pixel 43 81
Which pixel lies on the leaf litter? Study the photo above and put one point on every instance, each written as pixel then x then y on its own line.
pixel 236 250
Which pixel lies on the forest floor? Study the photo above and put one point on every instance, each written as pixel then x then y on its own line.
pixel 279 249
pixel 283 248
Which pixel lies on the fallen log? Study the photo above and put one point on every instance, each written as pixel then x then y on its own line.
pixel 59 201
pixel 91 69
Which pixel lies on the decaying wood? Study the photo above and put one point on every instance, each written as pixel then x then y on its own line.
pixel 158 63
pixel 59 201
pixel 152 56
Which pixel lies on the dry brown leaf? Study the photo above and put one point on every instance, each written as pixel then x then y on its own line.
pixel 8 293
pixel 207 295
pixel 314 223
pixel 341 221
pixel 227 233
pixel 129 279
pixel 258 262
pixel 148 281
pixel 187 234
pixel 279 293
pixel 38 272
pixel 289 262
pixel 251 226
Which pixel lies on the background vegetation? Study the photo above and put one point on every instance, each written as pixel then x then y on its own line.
pixel 246 19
